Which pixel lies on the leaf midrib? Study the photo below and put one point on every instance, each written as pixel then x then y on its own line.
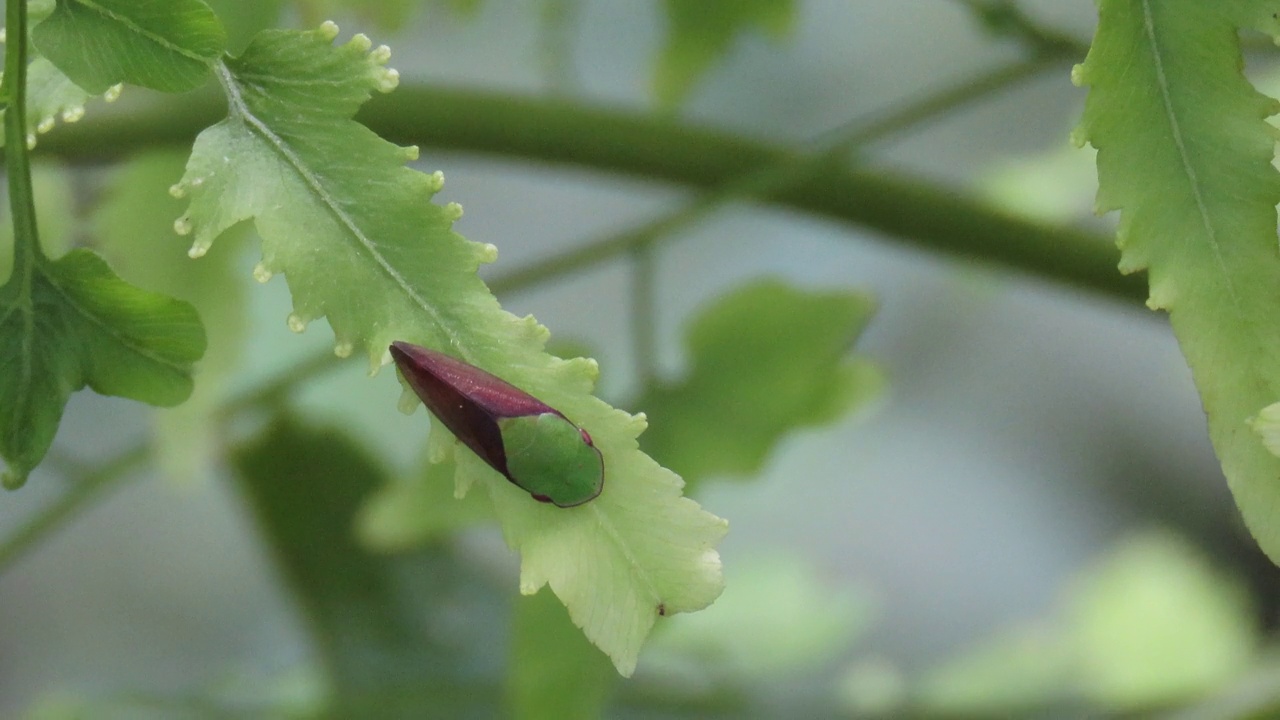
pixel 239 107
pixel 160 40
pixel 1175 129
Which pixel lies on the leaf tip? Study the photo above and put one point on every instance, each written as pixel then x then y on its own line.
pixel 14 478
pixel 328 30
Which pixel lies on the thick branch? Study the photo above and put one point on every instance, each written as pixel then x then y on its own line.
pixel 928 215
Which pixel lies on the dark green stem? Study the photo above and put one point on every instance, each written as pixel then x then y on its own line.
pixel 89 486
pixel 839 144
pixel 934 217
pixel 26 242
pixel 643 313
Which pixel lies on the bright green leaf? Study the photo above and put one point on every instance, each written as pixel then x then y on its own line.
pixel 555 672
pixel 135 232
pixel 700 32
pixel 1184 152
pixel 353 232
pixel 71 323
pixel 766 359
pixel 165 45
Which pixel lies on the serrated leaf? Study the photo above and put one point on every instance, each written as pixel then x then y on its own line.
pixel 555 672
pixel 135 232
pixel 766 360
pixel 376 621
pixel 1185 154
pixel 71 323
pixel 50 95
pixel 700 32
pixel 353 232
pixel 165 45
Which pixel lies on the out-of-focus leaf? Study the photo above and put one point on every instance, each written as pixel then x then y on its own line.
pixel 1010 674
pixel 700 32
pixel 1154 623
pixel 776 618
pixel 50 96
pixel 423 508
pixel 1148 625
pixel 385 15
pixel 555 672
pixel 135 231
pixel 404 636
pixel 165 45
pixel 765 360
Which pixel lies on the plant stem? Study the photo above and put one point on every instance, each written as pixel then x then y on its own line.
pixel 89 486
pixel 643 313
pixel 26 240
pixel 839 144
pixel 911 210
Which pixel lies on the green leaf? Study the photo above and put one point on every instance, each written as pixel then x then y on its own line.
pixel 50 95
pixel 352 231
pixel 165 45
pixel 1184 152
pixel 1150 623
pixel 378 622
pixel 700 32
pixel 1154 623
pixel 766 359
pixel 71 323
pixel 245 18
pixel 135 233
pixel 555 672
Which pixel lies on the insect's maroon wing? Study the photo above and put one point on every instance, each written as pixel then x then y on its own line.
pixel 468 400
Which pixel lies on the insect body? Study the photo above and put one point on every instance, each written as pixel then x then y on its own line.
pixel 531 443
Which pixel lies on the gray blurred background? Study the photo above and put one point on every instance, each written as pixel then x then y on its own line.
pixel 986 477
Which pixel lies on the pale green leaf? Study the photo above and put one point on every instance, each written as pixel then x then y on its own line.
pixel 1150 623
pixel 50 96
pixel 135 233
pixel 700 32
pixel 778 618
pixel 1154 623
pixel 165 45
pixel 766 360
pixel 1184 153
pixel 70 323
pixel 360 244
